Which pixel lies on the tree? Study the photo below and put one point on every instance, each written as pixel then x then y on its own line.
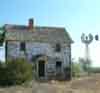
pixel 19 71
pixel 15 72
pixel 85 64
pixel 76 69
pixel 2 36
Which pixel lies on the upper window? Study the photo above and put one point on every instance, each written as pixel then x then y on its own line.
pixel 58 47
pixel 22 46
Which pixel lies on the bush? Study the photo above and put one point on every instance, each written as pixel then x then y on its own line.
pixel 15 72
pixel 95 70
pixel 76 70
pixel 3 74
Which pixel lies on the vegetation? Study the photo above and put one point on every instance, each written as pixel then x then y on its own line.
pixel 15 72
pixel 95 70
pixel 81 67
pixel 85 65
pixel 2 36
pixel 76 69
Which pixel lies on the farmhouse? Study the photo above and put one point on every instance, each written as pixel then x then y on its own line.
pixel 48 48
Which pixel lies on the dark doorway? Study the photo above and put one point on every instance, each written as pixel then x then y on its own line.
pixel 58 70
pixel 41 68
pixel 58 66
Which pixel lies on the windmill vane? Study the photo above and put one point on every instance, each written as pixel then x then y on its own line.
pixel 87 39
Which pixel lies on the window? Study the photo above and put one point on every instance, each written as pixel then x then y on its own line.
pixel 58 47
pixel 22 46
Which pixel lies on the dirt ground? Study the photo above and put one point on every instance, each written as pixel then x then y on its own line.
pixel 82 85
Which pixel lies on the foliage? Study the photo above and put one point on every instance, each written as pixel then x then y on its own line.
pixel 15 72
pixel 76 69
pixel 95 69
pixel 2 36
pixel 85 65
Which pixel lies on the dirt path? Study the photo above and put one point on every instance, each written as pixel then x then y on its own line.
pixel 83 85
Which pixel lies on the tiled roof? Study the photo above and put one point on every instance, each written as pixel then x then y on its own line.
pixel 38 34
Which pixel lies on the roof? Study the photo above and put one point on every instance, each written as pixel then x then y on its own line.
pixel 37 34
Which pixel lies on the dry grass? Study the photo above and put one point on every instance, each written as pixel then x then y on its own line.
pixel 83 85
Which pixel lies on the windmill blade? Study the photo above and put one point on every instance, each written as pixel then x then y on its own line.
pixel 96 37
pixel 90 38
pixel 83 37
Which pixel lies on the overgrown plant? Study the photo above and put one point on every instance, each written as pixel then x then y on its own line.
pixel 15 72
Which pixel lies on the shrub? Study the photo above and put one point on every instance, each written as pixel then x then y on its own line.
pixel 3 74
pixel 76 69
pixel 95 70
pixel 16 72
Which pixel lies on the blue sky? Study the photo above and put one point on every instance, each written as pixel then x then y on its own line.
pixel 76 16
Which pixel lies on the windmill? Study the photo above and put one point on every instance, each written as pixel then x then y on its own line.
pixel 87 40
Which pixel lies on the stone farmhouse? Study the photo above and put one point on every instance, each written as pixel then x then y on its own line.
pixel 48 48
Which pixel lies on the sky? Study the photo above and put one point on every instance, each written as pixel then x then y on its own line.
pixel 77 16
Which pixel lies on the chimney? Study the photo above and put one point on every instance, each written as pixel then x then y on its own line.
pixel 31 23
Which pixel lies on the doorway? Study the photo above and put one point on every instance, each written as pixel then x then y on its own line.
pixel 58 70
pixel 58 67
pixel 41 68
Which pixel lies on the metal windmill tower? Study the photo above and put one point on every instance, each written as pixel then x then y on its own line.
pixel 87 40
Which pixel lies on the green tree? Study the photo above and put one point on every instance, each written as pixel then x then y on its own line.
pixel 19 71
pixel 76 69
pixel 15 72
pixel 85 64
pixel 2 36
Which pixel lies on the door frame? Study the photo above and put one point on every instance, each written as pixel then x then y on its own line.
pixel 38 68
